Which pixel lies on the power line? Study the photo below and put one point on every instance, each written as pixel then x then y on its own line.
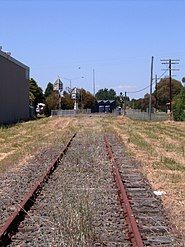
pixel 138 91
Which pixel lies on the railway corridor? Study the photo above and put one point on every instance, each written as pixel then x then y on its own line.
pixel 79 203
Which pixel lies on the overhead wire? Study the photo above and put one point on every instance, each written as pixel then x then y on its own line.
pixel 138 91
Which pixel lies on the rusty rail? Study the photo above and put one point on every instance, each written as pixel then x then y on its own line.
pixel 134 234
pixel 12 223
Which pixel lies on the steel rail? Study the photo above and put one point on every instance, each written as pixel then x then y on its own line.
pixel 11 225
pixel 134 233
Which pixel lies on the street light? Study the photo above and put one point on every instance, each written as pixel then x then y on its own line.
pixel 74 91
pixel 70 80
pixel 93 80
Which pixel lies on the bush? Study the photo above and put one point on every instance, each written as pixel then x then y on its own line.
pixel 179 106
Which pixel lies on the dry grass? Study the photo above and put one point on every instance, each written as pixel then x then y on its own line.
pixel 20 142
pixel 160 147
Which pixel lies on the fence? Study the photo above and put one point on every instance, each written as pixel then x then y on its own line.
pixel 70 112
pixel 137 114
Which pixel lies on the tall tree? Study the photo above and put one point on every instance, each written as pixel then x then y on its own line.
pixel 105 94
pixel 135 103
pixel 86 99
pixel 66 101
pixel 52 102
pixel 145 102
pixel 162 93
pixel 49 90
pixel 36 94
pixel 31 98
pixel 179 106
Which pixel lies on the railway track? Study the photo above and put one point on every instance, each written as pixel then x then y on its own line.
pixel 78 201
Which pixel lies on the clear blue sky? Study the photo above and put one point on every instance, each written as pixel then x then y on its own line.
pixel 116 38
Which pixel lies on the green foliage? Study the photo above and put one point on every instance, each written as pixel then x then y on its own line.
pixel 179 106
pixel 49 90
pixel 105 94
pixel 162 93
pixel 31 97
pixel 142 104
pixel 52 102
pixel 145 101
pixel 35 93
pixel 160 97
pixel 169 163
pixel 135 103
pixel 86 99
pixel 66 102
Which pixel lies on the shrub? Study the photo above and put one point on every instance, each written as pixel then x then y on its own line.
pixel 179 106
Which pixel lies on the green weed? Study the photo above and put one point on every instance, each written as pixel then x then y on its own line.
pixel 168 163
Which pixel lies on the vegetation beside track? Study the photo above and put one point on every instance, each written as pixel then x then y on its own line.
pixel 20 142
pixel 160 147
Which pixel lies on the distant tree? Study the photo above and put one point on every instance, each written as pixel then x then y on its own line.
pixel 145 102
pixel 135 103
pixel 35 93
pixel 49 90
pixel 179 106
pixel 52 102
pixel 66 101
pixel 162 93
pixel 86 99
pixel 112 94
pixel 105 94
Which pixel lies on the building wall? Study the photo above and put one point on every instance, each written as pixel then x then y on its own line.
pixel 106 105
pixel 14 91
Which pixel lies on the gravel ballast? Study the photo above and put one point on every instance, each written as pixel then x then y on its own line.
pixel 79 205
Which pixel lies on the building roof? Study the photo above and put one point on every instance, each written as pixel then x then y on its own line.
pixel 8 56
pixel 105 101
pixel 58 85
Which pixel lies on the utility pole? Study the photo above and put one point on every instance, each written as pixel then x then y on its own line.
pixel 169 62
pixel 170 77
pixel 70 84
pixel 81 98
pixel 150 99
pixel 125 103
pixel 93 82
pixel 156 91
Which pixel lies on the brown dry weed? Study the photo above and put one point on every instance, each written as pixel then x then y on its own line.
pixel 160 149
pixel 19 143
pixel 159 146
